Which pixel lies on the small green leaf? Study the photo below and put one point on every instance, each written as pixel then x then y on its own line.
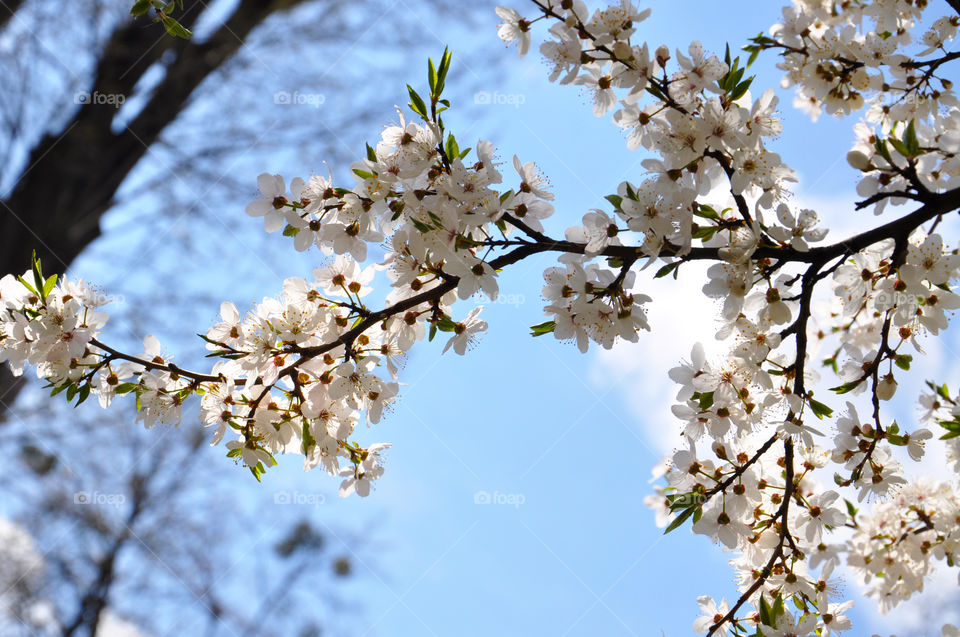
pixel 431 76
pixel 706 400
pixel 49 284
pixel 680 519
pixel 60 388
pixel 667 269
pixel 543 328
pixel 83 394
pixel 140 7
pixel 416 103
pixel 705 211
pixel 819 409
pixel 910 140
pixel 846 387
pixel 174 28
pixel 900 147
pixel 446 324
pixel 125 388
pixel 452 148
pixel 851 510
pixel 616 200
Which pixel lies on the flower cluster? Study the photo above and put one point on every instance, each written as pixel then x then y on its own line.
pixel 298 373
pixel 892 286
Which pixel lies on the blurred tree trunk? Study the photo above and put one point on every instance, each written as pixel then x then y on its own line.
pixel 7 9
pixel 72 175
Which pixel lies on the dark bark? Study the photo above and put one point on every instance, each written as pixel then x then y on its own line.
pixel 72 175
pixel 7 9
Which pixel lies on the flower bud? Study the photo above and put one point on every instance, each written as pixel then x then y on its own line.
pixel 887 387
pixel 662 55
pixel 859 161
pixel 622 50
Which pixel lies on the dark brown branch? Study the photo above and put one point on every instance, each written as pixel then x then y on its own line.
pixel 7 10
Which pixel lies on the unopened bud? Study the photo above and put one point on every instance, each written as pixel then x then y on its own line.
pixel 859 161
pixel 887 387
pixel 662 55
pixel 622 50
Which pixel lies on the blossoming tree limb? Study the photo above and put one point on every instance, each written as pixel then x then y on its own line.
pixel 296 374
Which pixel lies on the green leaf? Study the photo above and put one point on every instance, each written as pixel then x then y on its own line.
pixel 667 269
pixel 616 200
pixel 49 284
pixel 28 286
pixel 705 398
pixel 371 154
pixel 234 453
pixel 951 425
pixel 416 103
pixel 680 519
pixel 362 174
pixel 819 409
pixel 60 388
pixel 442 72
pixel 542 328
pixel 778 608
pixel 175 29
pixel 910 140
pixel 452 148
pixel 446 324
pixel 432 76
pixel 38 279
pixel 705 211
pixel 741 89
pixel 900 147
pixel 706 233
pixel 880 146
pixel 851 510
pixel 140 7
pixel 84 393
pixel 846 387
pixel 766 613
pixel 309 442
pixel 125 388
pixel 290 231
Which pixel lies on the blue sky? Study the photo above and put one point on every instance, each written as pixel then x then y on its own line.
pixel 561 443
